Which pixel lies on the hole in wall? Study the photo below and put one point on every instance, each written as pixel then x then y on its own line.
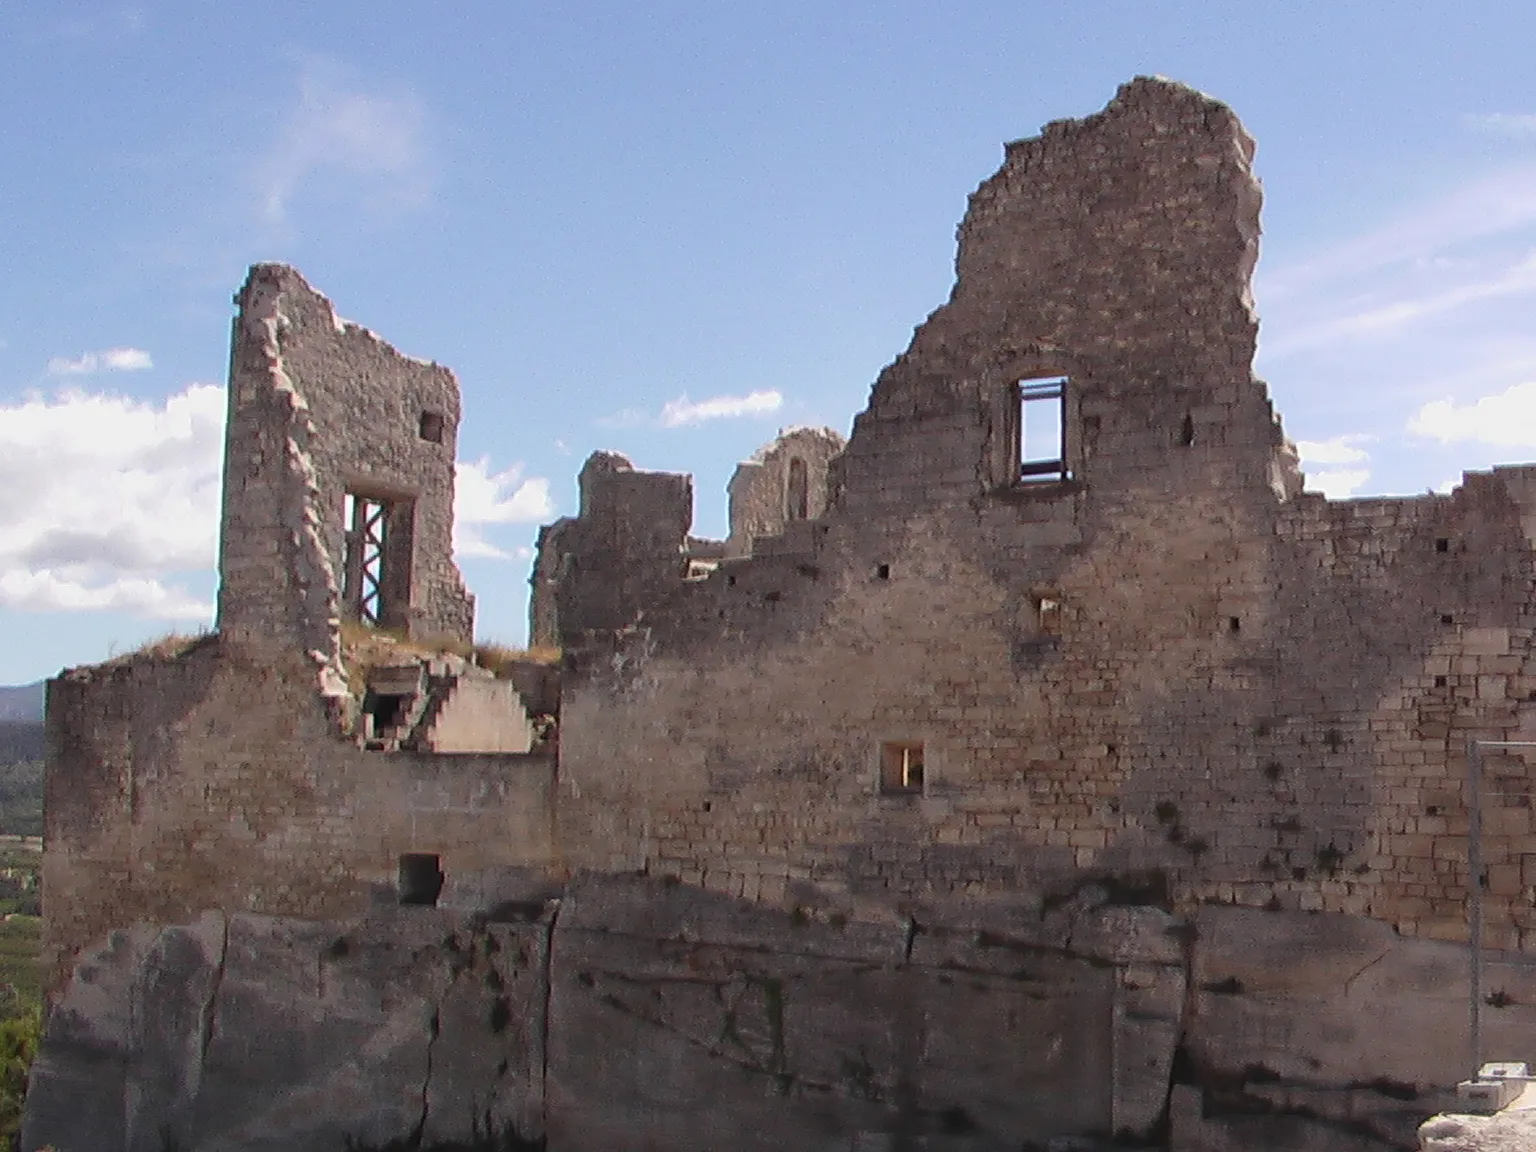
pixel 1234 624
pixel 420 879
pixel 882 571
pixel 431 426
pixel 1440 681
pixel 386 710
pixel 1447 618
pixel 1187 431
pixel 1442 545
pixel 901 767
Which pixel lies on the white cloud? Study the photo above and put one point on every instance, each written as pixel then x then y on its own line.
pixel 1338 450
pixel 1506 419
pixel 1338 484
pixel 1505 123
pixel 108 498
pixel 109 360
pixel 344 141
pixel 483 497
pixel 682 411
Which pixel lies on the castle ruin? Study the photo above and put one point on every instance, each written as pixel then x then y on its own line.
pixel 1047 721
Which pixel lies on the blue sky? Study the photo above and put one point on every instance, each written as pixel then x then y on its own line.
pixel 671 229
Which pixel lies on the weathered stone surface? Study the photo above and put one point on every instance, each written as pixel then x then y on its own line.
pixel 1505 1132
pixel 628 1013
pixel 295 1035
pixel 1340 1019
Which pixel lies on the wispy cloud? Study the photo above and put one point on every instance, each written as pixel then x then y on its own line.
pixel 110 360
pixel 1505 123
pixel 483 497
pixel 343 140
pixel 107 23
pixel 682 411
pixel 1506 419
pixel 1415 303
pixel 1490 206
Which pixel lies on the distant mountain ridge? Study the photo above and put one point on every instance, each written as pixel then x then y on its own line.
pixel 22 702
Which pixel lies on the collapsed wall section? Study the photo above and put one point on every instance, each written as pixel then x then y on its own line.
pixel 213 780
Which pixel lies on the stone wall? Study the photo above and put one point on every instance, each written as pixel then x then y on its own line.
pixel 784 481
pixel 318 408
pixel 218 780
pixel 1167 662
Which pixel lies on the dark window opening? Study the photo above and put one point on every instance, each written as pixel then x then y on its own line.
pixel 387 711
pixel 1447 618
pixel 1235 623
pixel 1187 431
pixel 1042 430
pixel 901 767
pixel 1442 545
pixel 1439 681
pixel 432 427
pixel 367 539
pixel 882 572
pixel 421 878
pixel 797 491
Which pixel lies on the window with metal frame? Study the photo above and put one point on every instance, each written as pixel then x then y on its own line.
pixel 1042 430
pixel 367 537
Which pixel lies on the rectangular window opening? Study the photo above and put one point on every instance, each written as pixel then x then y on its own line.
pixel 387 711
pixel 421 879
pixel 431 428
pixel 368 524
pixel 901 767
pixel 1043 430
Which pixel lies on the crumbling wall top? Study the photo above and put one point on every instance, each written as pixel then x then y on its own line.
pixel 339 478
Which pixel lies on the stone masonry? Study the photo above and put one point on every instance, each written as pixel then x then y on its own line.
pixel 1047 707
pixel 1165 661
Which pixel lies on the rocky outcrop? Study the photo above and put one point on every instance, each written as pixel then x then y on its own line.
pixel 630 1014
pixel 1506 1132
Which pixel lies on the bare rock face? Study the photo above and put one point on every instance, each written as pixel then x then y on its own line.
pixel 628 1015
pixel 1506 1132
pixel 632 1014
pixel 253 1032
pixel 701 1024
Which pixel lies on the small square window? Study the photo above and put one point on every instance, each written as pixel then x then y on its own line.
pixel 901 767
pixel 432 427
pixel 421 878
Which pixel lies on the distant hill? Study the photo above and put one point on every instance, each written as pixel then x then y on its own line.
pixel 20 741
pixel 22 702
pixel 22 749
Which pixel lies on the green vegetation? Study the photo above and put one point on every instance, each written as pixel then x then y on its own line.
pixel 21 1003
pixel 19 1035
